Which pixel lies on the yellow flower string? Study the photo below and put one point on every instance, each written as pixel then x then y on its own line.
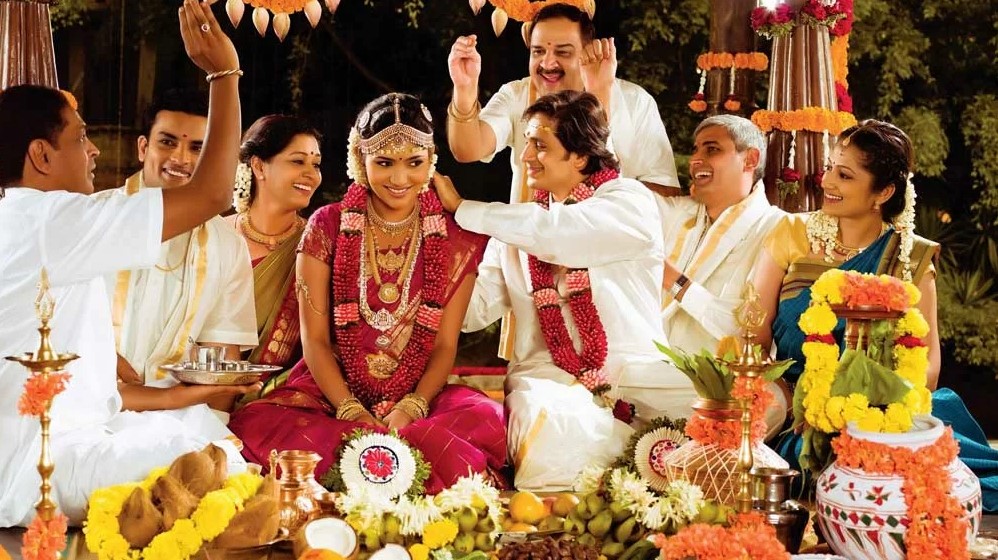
pixel 829 413
pixel 813 119
pixel 184 539
pixel 279 6
pixel 525 10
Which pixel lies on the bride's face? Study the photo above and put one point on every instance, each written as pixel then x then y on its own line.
pixel 848 186
pixel 396 178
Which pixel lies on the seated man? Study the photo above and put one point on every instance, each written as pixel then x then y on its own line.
pixel 581 267
pixel 713 236
pixel 47 220
pixel 201 288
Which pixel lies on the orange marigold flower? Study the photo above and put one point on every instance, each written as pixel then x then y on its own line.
pixel 44 540
pixel 39 390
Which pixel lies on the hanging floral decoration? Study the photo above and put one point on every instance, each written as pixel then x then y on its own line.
pixel 813 119
pixel 525 10
pixel 725 61
pixel 281 11
pixel 788 183
pixel 840 54
pixel 938 522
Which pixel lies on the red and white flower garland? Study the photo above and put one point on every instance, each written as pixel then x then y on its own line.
pixel 382 394
pixel 587 365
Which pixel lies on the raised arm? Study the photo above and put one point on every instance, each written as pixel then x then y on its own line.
pixel 469 137
pixel 209 191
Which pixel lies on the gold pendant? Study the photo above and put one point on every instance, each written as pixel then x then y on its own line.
pixel 381 365
pixel 390 261
pixel 388 293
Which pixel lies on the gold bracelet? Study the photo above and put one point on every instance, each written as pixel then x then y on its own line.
pixel 467 117
pixel 350 408
pixel 222 73
pixel 414 405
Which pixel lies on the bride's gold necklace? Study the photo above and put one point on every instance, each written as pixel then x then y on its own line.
pixel 391 228
pixel 266 239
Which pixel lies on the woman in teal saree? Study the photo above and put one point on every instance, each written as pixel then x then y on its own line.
pixel 865 225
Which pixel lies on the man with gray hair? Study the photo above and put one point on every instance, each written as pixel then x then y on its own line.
pixel 713 236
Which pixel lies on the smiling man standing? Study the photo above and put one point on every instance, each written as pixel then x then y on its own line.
pixel 202 287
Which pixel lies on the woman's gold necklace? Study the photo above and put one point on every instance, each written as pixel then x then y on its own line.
pixel 266 239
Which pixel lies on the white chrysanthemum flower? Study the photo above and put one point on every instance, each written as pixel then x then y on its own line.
pixel 589 480
pixel 363 509
pixel 242 187
pixel 650 453
pixel 441 554
pixel 415 514
pixel 687 499
pixel 382 464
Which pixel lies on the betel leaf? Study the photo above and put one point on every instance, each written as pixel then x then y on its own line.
pixel 858 373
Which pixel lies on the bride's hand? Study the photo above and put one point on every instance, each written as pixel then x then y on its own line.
pixel 397 419
pixel 370 420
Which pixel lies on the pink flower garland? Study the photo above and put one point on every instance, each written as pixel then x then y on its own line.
pixel 376 393
pixel 586 366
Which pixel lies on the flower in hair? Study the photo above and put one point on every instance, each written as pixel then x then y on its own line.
pixel 242 189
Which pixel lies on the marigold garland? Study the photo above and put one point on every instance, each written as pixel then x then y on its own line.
pixel 830 414
pixel 279 6
pixel 212 515
pixel 727 434
pixel 742 61
pixel 748 538
pixel 814 119
pixel 39 390
pixel 525 10
pixel 45 540
pixel 939 522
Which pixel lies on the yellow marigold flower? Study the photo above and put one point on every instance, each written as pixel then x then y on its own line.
pixel 820 357
pixel 419 551
pixel 912 364
pixel 914 323
pixel 187 538
pixel 855 407
pixel 828 287
pixel 818 319
pixel 439 533
pixel 897 419
pixel 833 409
pixel 154 475
pixel 872 420
pixel 215 512
pixel 914 295
pixel 245 484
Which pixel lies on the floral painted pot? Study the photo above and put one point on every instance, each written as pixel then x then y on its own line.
pixel 864 516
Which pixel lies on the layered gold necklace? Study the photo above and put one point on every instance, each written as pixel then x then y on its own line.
pixel 271 241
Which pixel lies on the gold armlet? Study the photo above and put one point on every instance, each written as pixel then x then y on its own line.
pixel 302 288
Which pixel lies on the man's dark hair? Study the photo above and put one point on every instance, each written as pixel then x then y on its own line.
pixel 554 11
pixel 580 126
pixel 27 113
pixel 190 101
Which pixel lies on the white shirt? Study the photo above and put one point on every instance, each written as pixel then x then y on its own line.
pixel 615 234
pixel 637 134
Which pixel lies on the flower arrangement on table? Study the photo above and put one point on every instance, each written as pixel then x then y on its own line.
pixel 881 385
pixel 195 504
pixel 725 61
pixel 748 537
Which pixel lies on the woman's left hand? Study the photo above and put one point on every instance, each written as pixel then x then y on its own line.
pixel 447 193
pixel 396 419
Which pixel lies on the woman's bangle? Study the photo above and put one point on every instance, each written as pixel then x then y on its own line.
pixel 222 73
pixel 413 405
pixel 466 117
pixel 350 408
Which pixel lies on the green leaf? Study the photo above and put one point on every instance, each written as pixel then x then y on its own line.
pixel 858 373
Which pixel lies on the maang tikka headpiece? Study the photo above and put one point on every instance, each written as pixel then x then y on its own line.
pixel 397 137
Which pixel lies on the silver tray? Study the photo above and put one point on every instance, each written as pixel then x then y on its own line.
pixel 225 373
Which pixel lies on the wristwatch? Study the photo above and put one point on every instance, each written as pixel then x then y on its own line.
pixel 678 285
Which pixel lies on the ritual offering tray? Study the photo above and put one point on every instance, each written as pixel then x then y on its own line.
pixel 221 373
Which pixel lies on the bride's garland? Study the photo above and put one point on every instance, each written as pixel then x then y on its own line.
pixel 829 413
pixel 586 366
pixel 376 393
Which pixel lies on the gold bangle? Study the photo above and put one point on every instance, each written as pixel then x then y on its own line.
pixel 349 409
pixel 467 117
pixel 222 73
pixel 414 405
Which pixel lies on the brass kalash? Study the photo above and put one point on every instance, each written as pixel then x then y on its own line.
pixel 764 490
pixel 45 361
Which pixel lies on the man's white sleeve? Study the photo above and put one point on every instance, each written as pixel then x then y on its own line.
pixel 654 160
pixel 490 299
pixel 499 113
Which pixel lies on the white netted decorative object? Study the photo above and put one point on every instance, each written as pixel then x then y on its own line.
pixel 715 469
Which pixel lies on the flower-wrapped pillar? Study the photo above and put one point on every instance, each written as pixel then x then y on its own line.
pixel 802 116
pixel 26 52
pixel 730 32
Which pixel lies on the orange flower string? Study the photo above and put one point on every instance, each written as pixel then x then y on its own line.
pixel 525 10
pixel 45 540
pixel 742 61
pixel 814 119
pixel 939 524
pixel 39 390
pixel 279 6
pixel 748 538
pixel 840 59
pixel 727 434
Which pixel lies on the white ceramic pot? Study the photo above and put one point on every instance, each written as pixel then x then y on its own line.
pixel 864 516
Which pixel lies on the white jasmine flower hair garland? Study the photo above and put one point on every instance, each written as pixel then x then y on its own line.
pixel 242 188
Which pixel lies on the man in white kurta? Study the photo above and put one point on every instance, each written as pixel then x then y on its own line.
pixel 78 239
pixel 555 426
pixel 712 239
